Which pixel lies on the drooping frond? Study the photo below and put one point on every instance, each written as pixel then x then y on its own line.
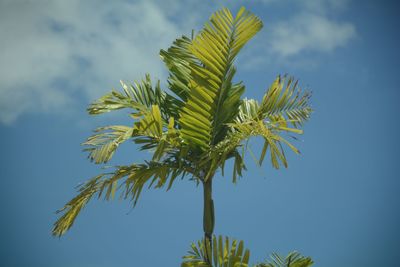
pixel 92 187
pixel 102 145
pixel 224 253
pixel 131 179
pixel 294 259
pixel 213 99
pixel 242 131
pixel 271 135
pixel 238 165
pixel 156 174
pixel 285 103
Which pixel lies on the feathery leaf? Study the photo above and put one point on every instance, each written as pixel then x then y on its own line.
pixel 224 254
pixel 102 145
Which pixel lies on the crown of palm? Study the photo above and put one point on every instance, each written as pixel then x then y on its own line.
pixel 195 126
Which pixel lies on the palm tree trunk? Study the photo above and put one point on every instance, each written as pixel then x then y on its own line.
pixel 208 218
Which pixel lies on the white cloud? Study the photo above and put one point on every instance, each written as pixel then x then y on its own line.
pixel 309 27
pixel 310 32
pixel 321 6
pixel 52 51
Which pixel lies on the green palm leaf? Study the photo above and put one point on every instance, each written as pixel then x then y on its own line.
pixel 197 125
pixel 239 133
pixel 222 254
pixel 178 59
pixel 95 186
pixel 151 124
pixel 248 110
pixel 102 145
pixel 213 100
pixel 140 96
pixel 294 259
pixel 285 103
pixel 131 178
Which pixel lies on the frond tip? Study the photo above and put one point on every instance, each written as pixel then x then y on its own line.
pixel 131 179
pixel 285 103
pixel 74 206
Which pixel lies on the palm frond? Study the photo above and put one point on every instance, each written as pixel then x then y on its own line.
pixel 131 178
pixel 294 259
pixel 285 103
pixel 139 97
pixel 213 100
pixel 238 166
pixel 169 142
pixel 178 59
pixel 248 110
pixel 95 186
pixel 151 134
pixel 240 132
pixel 150 124
pixel 102 145
pixel 224 253
pixel 227 111
pixel 156 174
pixel 271 135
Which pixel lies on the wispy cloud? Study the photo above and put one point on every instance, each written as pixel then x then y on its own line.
pixel 310 32
pixel 311 27
pixel 56 52
pixel 53 51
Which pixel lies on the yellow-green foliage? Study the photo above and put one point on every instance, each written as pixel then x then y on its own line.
pixel 197 124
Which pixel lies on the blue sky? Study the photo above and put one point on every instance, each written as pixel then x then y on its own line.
pixel 338 202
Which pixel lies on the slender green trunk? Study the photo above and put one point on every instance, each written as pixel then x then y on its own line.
pixel 208 218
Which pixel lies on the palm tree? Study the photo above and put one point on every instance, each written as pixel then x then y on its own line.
pixel 225 253
pixel 193 128
pixel 293 259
